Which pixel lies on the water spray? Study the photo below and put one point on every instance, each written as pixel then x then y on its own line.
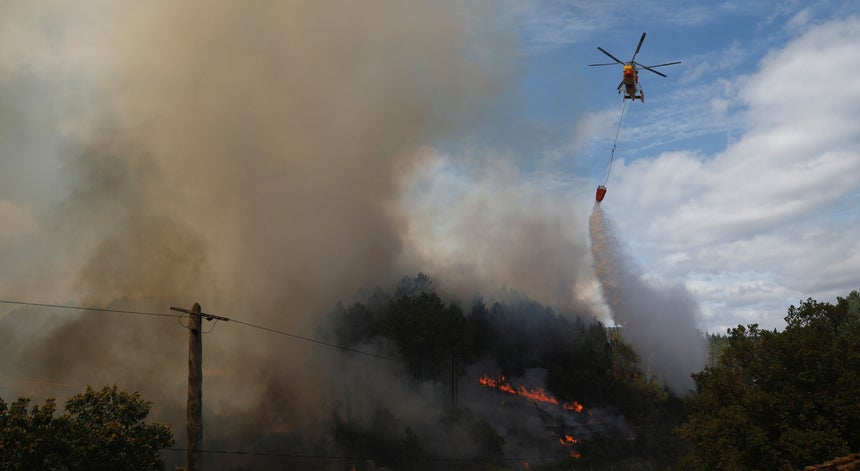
pixel 660 321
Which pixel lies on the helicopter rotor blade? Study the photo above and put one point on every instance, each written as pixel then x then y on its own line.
pixel 594 65
pixel 610 55
pixel 638 46
pixel 661 65
pixel 649 69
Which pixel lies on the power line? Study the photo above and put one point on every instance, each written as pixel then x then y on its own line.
pixel 210 317
pixel 288 334
pixel 319 342
pixel 96 309
pixel 279 455
pixel 361 458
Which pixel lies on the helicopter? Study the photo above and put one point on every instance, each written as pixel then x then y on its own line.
pixel 630 79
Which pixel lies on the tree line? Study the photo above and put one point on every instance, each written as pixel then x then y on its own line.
pixel 768 399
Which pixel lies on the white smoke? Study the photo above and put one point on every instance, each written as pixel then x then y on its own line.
pixel 659 321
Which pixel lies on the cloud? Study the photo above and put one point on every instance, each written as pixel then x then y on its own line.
pixel 800 20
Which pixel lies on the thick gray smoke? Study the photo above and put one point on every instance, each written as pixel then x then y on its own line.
pixel 249 156
pixel 252 157
pixel 660 322
pixel 485 224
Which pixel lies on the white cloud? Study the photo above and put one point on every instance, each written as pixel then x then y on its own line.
pixel 756 226
pixel 594 128
pixel 800 19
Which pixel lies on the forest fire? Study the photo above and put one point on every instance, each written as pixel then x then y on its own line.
pixel 536 394
pixel 569 441
pixel 499 383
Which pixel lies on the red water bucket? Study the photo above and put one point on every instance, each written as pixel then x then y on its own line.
pixel 601 192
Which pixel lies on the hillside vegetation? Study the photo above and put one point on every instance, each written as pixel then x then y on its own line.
pixel 517 385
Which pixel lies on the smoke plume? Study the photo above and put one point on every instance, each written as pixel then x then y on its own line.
pixel 265 159
pixel 246 156
pixel 481 224
pixel 660 322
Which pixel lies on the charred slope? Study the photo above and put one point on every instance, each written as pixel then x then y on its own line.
pixel 537 353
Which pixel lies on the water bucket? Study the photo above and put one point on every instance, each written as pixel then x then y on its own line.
pixel 601 192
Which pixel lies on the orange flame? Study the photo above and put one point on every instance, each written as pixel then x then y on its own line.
pixel 499 383
pixel 569 441
pixel 536 394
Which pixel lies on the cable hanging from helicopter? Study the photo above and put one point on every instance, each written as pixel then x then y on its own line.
pixel 632 91
pixel 601 189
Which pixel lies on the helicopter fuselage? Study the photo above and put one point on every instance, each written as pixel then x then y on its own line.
pixel 630 82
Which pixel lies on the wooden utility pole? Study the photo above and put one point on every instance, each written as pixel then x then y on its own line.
pixel 194 412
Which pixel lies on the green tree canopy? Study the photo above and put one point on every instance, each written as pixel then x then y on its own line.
pixel 100 430
pixel 28 436
pixel 781 400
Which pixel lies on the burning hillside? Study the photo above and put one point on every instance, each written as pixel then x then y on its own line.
pixel 499 383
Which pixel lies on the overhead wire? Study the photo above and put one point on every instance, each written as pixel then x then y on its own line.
pixel 179 318
pixel 85 308
pixel 355 458
pixel 317 341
